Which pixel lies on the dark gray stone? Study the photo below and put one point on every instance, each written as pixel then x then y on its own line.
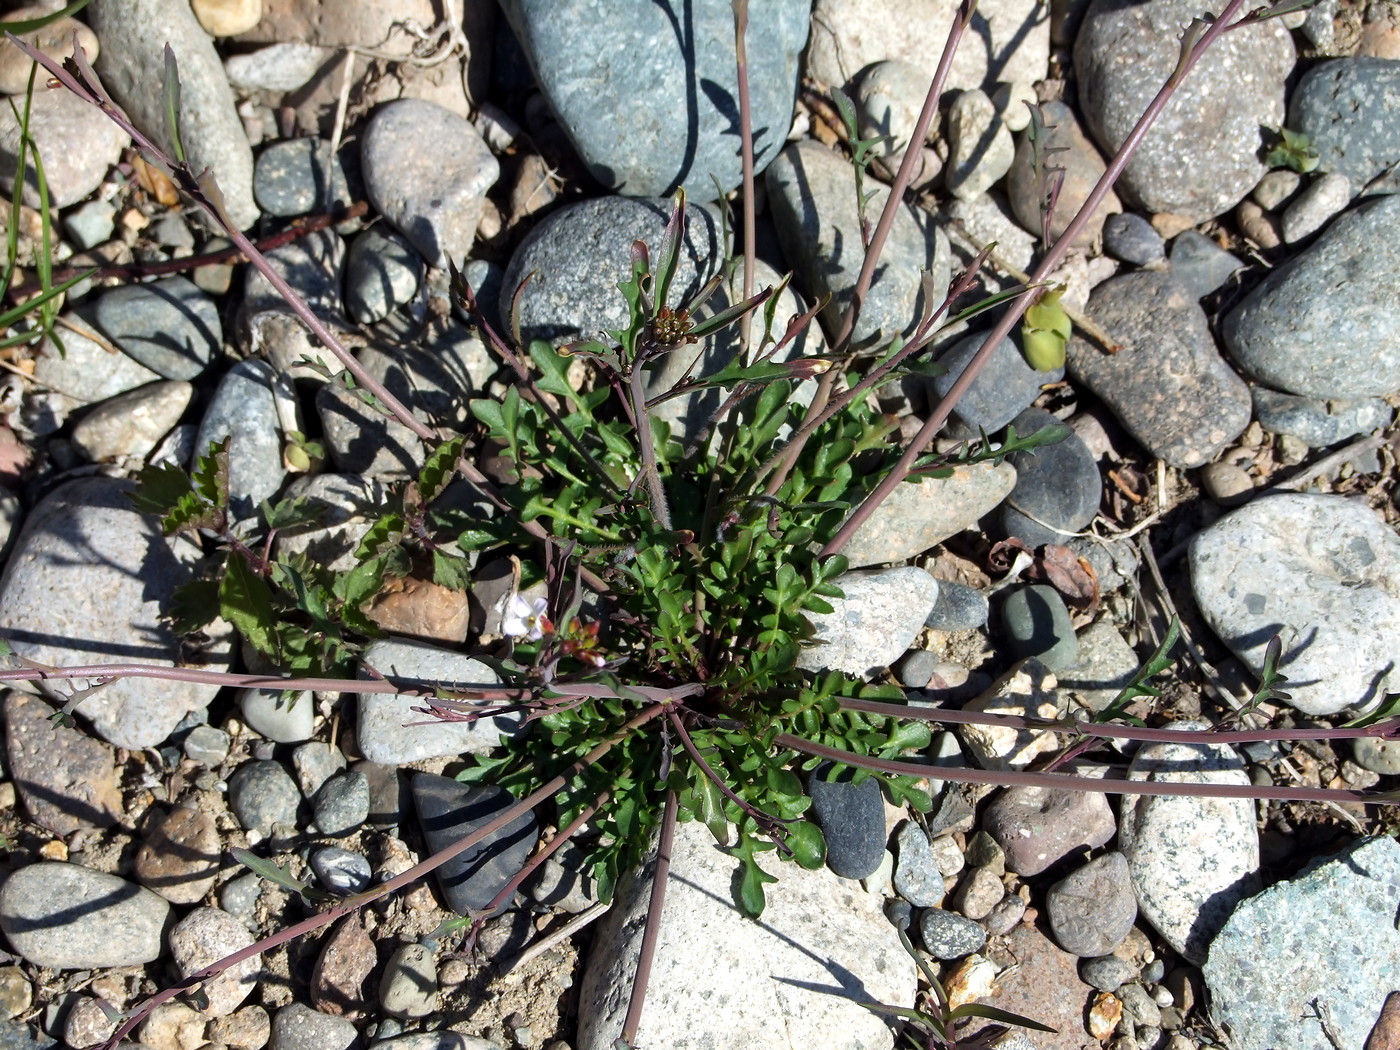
pixel 1037 624
pixel 169 326
pixel 1199 264
pixel 1295 332
pixel 382 272
pixel 297 176
pixel 852 817
pixel 948 935
pixel 342 804
pixel 579 253
pixel 340 870
pixel 1132 239
pixel 1126 50
pixel 1092 909
pixel 958 608
pixel 262 794
pixel 1057 486
pixel 449 811
pixel 1347 108
pixel 1107 973
pixel 1326 934
pixel 1314 422
pixel 244 410
pixel 1004 388
pixel 311 265
pixel 1167 384
pixel 595 61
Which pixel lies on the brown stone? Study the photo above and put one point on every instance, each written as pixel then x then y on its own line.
pixel 66 778
pixel 247 1029
pixel 1042 983
pixel 421 609
pixel 180 857
pixel 337 983
pixel 1386 1034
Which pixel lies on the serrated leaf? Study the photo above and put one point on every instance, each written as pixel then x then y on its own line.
pixel 210 477
pixel 246 602
pixel 159 488
pixel 194 606
pixel 386 533
pixel 440 468
pixel 289 513
pixel 451 572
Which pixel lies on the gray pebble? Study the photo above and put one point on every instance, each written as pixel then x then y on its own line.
pixel 69 917
pixel 89 225
pixel 1092 909
pixel 298 1027
pixel 852 818
pixel 284 720
pixel 1071 150
pixel 917 877
pixel 409 985
pixel 958 608
pixel 917 669
pixel 1037 623
pixel 1199 264
pixel 448 811
pixel 340 870
pixel 239 897
pixel 1345 107
pixel 261 794
pixel 949 936
pixel 342 804
pixel 1138 1007
pixel 1186 404
pixel 1131 238
pixel 207 745
pixel 980 893
pixel 170 326
pixel 1311 209
pixel 298 176
pixel 315 763
pixel 243 412
pixel 1317 423
pixel 1107 973
pixel 382 272
pixel 1057 489
pixel 434 197
pixel 1379 756
pixel 1004 388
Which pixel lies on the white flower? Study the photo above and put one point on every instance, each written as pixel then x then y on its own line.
pixel 525 617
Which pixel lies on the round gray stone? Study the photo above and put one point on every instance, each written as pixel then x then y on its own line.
pixel 594 61
pixel 297 176
pixel 1092 909
pixel 1107 973
pixel 1167 384
pixel 90 580
pixel 1058 487
pixel 948 935
pixel 1124 53
pixel 1314 422
pixel 341 870
pixel 298 1027
pixel 170 326
pixel 1063 145
pixel 1004 388
pixel 1293 333
pixel 1037 624
pixel 434 196
pixel 342 803
pixel 381 273
pixel 70 917
pixel 243 411
pixel 286 721
pixel 1346 108
pixel 1132 239
pixel 261 794
pixel 1322 571
pixel 852 819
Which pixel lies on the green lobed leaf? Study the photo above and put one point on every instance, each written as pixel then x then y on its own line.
pixel 246 602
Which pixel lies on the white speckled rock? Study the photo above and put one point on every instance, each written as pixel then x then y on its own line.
pixel 75 141
pixel 89 582
pixel 1326 934
pixel 1124 52
pixel 205 936
pixel 133 423
pixel 1030 692
pixel 980 149
pixel 1322 571
pixel 874 623
pixel 70 917
pixel 817 932
pixel 287 722
pixel 384 735
pixel 1191 859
